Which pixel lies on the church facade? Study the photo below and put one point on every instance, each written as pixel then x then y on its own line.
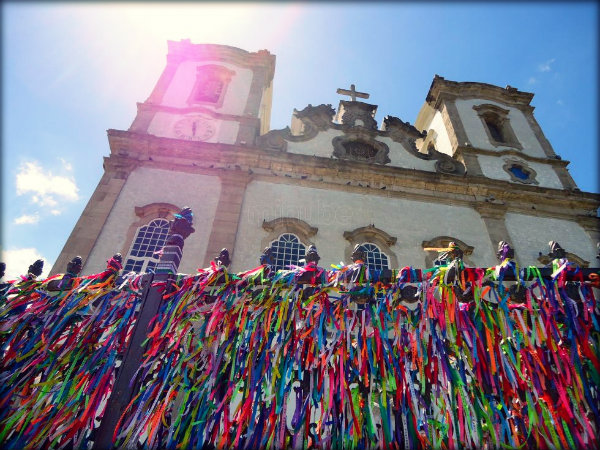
pixel 474 168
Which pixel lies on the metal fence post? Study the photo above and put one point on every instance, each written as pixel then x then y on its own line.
pixel 152 296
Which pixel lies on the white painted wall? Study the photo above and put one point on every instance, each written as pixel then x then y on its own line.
pixel 401 157
pixel 321 146
pixel 491 167
pixel 334 212
pixel 530 235
pixel 162 125
pixel 183 82
pixel 478 137
pixel 442 142
pixel 147 185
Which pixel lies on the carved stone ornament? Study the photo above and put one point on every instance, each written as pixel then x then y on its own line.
pixel 393 125
pixel 448 165
pixel 357 147
pixel 319 116
pixel 358 114
pixel 407 135
pixel 313 119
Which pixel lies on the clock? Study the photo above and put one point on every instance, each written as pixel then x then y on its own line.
pixel 196 128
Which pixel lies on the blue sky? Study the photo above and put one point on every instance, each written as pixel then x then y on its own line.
pixel 70 71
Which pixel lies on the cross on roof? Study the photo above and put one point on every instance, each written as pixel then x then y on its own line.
pixel 352 93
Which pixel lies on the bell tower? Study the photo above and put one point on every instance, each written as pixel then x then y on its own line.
pixel 210 93
pixel 493 131
pixel 210 103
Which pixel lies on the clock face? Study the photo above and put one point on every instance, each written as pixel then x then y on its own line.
pixel 194 128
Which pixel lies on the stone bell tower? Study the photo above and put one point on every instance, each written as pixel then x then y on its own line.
pixel 210 93
pixel 211 101
pixel 493 131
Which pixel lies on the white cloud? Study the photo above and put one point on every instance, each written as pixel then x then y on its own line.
pixel 545 67
pixel 55 212
pixel 46 189
pixel 27 219
pixel 532 80
pixel 18 261
pixel 559 102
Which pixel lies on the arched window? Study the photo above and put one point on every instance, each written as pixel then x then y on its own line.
pixel 376 243
pixel 442 242
pixel 495 128
pixel 211 84
pixel 287 250
pixel 375 258
pixel 496 124
pixel 149 239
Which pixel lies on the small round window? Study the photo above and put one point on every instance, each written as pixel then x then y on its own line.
pixel 520 172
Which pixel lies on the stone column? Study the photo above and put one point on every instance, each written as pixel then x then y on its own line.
pixel 227 216
pixel 592 226
pixel 470 161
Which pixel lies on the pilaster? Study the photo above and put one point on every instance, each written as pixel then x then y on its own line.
pixel 92 220
pixel 227 216
pixel 494 218
pixel 592 227
pixel 470 161
pixel 454 126
pixel 563 174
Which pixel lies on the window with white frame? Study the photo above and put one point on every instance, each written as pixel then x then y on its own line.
pixel 287 250
pixel 375 259
pixel 149 239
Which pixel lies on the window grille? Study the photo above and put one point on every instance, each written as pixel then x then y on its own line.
pixel 375 258
pixel 287 250
pixel 148 241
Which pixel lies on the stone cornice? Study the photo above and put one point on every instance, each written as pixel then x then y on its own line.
pixel 368 231
pixel 319 118
pixel 510 152
pixel 589 223
pixel 290 223
pixel 493 209
pixel 184 50
pixel 152 107
pixel 441 87
pixel 290 168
